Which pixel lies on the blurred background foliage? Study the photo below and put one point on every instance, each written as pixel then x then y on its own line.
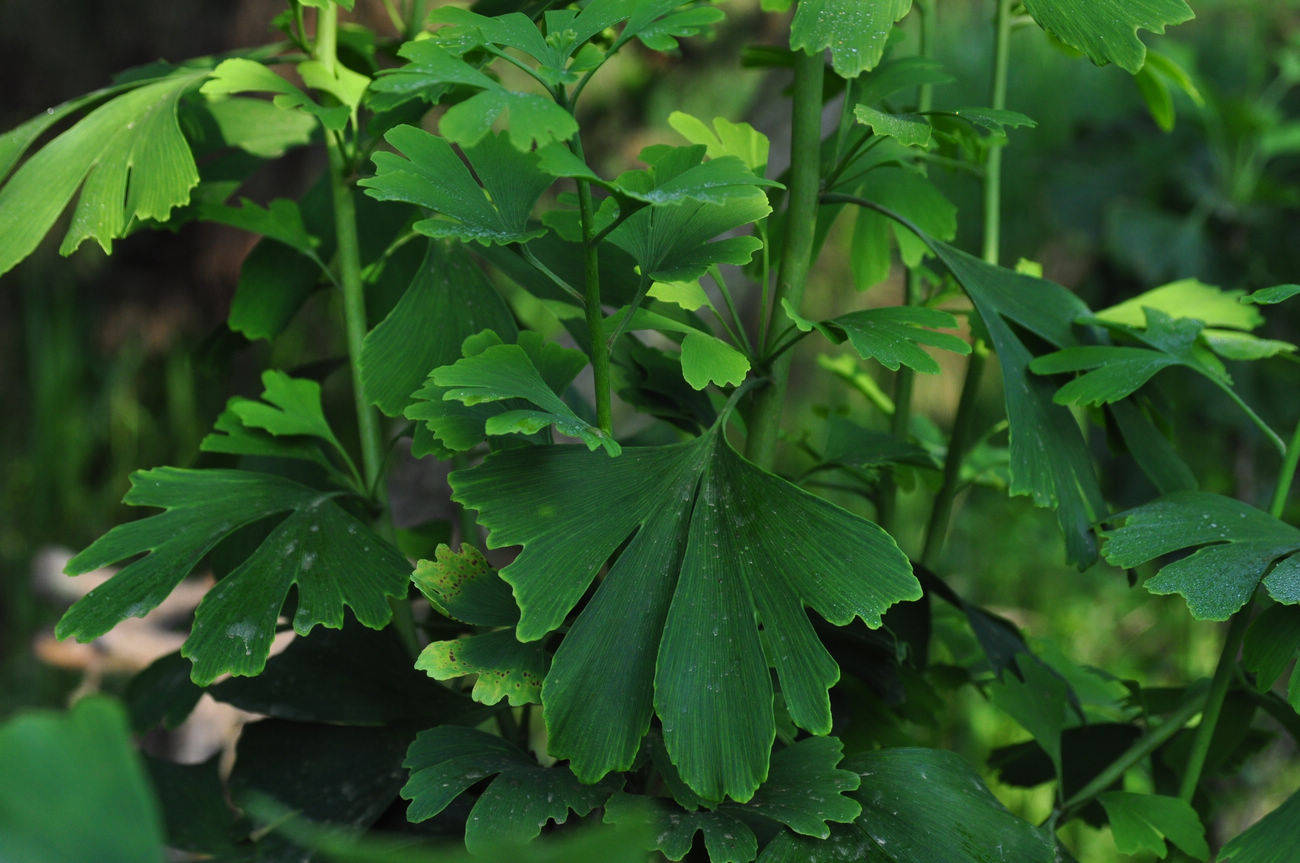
pixel 108 364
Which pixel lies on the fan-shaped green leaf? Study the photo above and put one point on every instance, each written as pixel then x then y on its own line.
pixel 281 221
pixel 715 545
pixel 1142 822
pixel 854 32
pixel 333 559
pixel 1187 298
pixel 891 336
pixel 124 161
pixel 503 666
pixel 445 761
pixel 72 789
pixel 672 832
pixel 240 75
pixel 724 139
pixel 490 205
pixel 1106 30
pixel 912 130
pixel 1272 839
pixel 913 197
pixel 260 128
pixel 449 301
pixel 706 359
pixel 1236 543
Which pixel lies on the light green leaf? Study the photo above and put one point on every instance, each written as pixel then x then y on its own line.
pixel 259 127
pixel 1113 373
pixel 449 300
pixel 1049 460
pixel 490 205
pixel 1142 822
pixel 855 32
pixel 676 175
pixel 325 4
pixel 911 130
pixel 445 761
pixel 239 75
pixel 891 336
pixel 463 586
pixel 725 139
pixel 1269 296
pixel 688 294
pixel 675 618
pixel 72 789
pixel 1272 839
pixel 706 359
pixel 503 666
pixel 333 559
pixel 920 806
pixel 124 161
pixel 1236 545
pixel 1106 30
pixel 340 82
pixel 1187 298
pixel 1243 347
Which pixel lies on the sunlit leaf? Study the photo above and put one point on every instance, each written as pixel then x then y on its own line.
pixel 724 139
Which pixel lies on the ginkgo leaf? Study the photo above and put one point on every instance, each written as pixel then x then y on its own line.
pixel 854 32
pixel 463 586
pixel 1107 30
pixel 125 161
pixel 230 436
pixel 447 760
pixel 333 559
pixel 717 547
pixel 1270 644
pixel 706 359
pixel 891 336
pixel 1270 296
pixel 674 175
pixel 1187 298
pixel 1049 460
pixel 261 128
pixel 725 139
pixel 533 118
pixel 1272 839
pixel 920 806
pixel 911 196
pixel 1142 822
pixel 1040 701
pixel 503 666
pixel 672 830
pixel 240 75
pixel 1236 546
pixel 449 300
pixel 489 205
pixel 281 220
pixel 912 130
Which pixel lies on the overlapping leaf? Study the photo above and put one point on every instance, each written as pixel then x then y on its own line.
pixel 125 161
pixel 1142 822
pixel 240 75
pixel 716 547
pixel 919 806
pixel 1106 30
pixel 674 175
pixel 892 336
pixel 489 205
pixel 911 196
pixel 446 761
pixel 1236 547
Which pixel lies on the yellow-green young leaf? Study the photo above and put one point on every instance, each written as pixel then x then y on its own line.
pixel 462 585
pixel 725 139
pixel 448 301
pixel 1187 298
pixel 919 806
pixel 340 82
pixel 854 31
pixel 325 4
pixel 503 666
pixel 1235 546
pixel 1272 839
pixel 1160 104
pixel 1142 822
pixel 707 360
pixel 1106 30
pixel 259 127
pixel 332 558
pixel 714 548
pixel 239 75
pixel 446 761
pixel 489 205
pixel 72 789
pixel 124 161
pixel 687 294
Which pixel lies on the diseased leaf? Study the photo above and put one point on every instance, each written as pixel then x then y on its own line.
pixel 1142 822
pixel 490 205
pixel 333 559
pixel 447 760
pixel 674 620
pixel 891 336
pixel 1236 544
pixel 463 586
pixel 855 32
pixel 920 806
pixel 449 301
pixel 1106 30
pixel 125 161
pixel 72 789
pixel 502 665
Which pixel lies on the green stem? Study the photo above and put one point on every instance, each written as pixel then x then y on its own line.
pixel 797 246
pixel 591 299
pixel 1223 672
pixel 905 381
pixel 961 433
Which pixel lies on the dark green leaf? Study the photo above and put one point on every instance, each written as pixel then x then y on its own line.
pixel 1106 30
pixel 194 806
pixel 891 336
pixel 162 694
pixel 1142 822
pixel 854 32
pixel 280 221
pixel 1271 644
pixel 727 839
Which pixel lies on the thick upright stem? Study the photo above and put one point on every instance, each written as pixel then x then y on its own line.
pixel 349 264
pixel 1223 672
pixel 962 432
pixel 591 296
pixel 796 250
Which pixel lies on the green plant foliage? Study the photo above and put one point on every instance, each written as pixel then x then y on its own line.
pixel 72 789
pixel 1106 30
pixel 911 196
pixel 855 33
pixel 1272 839
pixel 891 336
pixel 444 763
pixel 1270 645
pixel 1142 823
pixel 1236 544
pixel 693 637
